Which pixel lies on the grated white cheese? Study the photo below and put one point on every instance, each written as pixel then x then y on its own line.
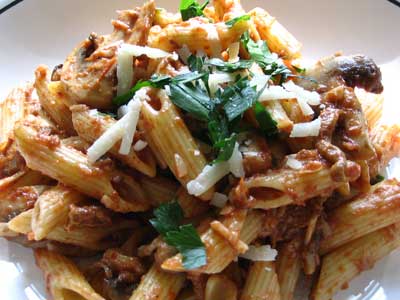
pixel 213 37
pixel 210 175
pixel 260 253
pixel 216 79
pixel 125 58
pixel 122 111
pixel 139 145
pixel 132 118
pixel 233 52
pixel 184 53
pixel 259 81
pixel 107 140
pixel 312 98
pixel 293 163
pixel 306 129
pixel 219 200
pixel 236 162
pixel 275 92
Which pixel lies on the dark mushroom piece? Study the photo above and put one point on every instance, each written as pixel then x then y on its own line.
pixel 352 71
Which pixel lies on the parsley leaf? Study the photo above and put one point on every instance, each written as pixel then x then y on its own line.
pixel 125 98
pixel 233 21
pixel 188 242
pixel 184 238
pixel 226 147
pixel 168 217
pixel 377 179
pixel 192 99
pixel 229 66
pixel 299 70
pixel 238 98
pixel 267 124
pixel 191 8
pixel 269 62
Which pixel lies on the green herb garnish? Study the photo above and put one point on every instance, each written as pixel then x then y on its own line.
pixel 191 8
pixel 233 21
pixel 184 238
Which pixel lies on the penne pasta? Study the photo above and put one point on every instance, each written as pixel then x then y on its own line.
pixel 366 213
pixel 158 284
pixel 219 287
pixel 349 260
pixel 168 135
pixel 63 279
pixel 288 267
pixel 262 282
pixel 45 153
pixel 159 189
pixel 91 124
pixel 51 210
pixel 219 251
pixel 53 100
pixel 98 239
pixel 278 38
pixel 372 105
pixel 198 35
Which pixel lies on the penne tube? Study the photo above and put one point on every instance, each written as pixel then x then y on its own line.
pixel 288 267
pixel 372 106
pixel 159 189
pixel 53 100
pixel 287 185
pixel 279 40
pixel 198 35
pixel 51 209
pixel 220 287
pixel 227 10
pixel 168 136
pixel 20 191
pixel 63 279
pixel 164 18
pixel 366 213
pixel 386 141
pixel 46 154
pixel 190 205
pixel 98 239
pixel 18 104
pixel 261 282
pixel 349 260
pixel 91 124
pixel 158 284
pixel 220 253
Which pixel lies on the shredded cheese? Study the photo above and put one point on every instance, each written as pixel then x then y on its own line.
pixel 107 140
pixel 213 37
pixel 275 92
pixel 132 118
pixel 260 253
pixel 125 58
pixel 259 81
pixel 216 79
pixel 219 200
pixel 139 145
pixel 233 52
pixel 306 129
pixel 210 175
pixel 184 53
pixel 293 163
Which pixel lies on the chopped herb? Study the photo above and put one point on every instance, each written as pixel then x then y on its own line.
pixel 233 21
pixel 299 70
pixel 125 98
pixel 377 179
pixel 269 62
pixel 188 242
pixel 196 63
pixel 192 99
pixel 229 66
pixel 267 124
pixel 191 8
pixel 226 147
pixel 168 217
pixel 183 237
pixel 238 98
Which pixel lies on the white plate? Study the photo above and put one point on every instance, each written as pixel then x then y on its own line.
pixel 44 31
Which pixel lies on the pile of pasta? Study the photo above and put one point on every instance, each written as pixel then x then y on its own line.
pixel 190 155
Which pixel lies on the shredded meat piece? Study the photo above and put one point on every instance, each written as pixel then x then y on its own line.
pixel 89 216
pixel 239 196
